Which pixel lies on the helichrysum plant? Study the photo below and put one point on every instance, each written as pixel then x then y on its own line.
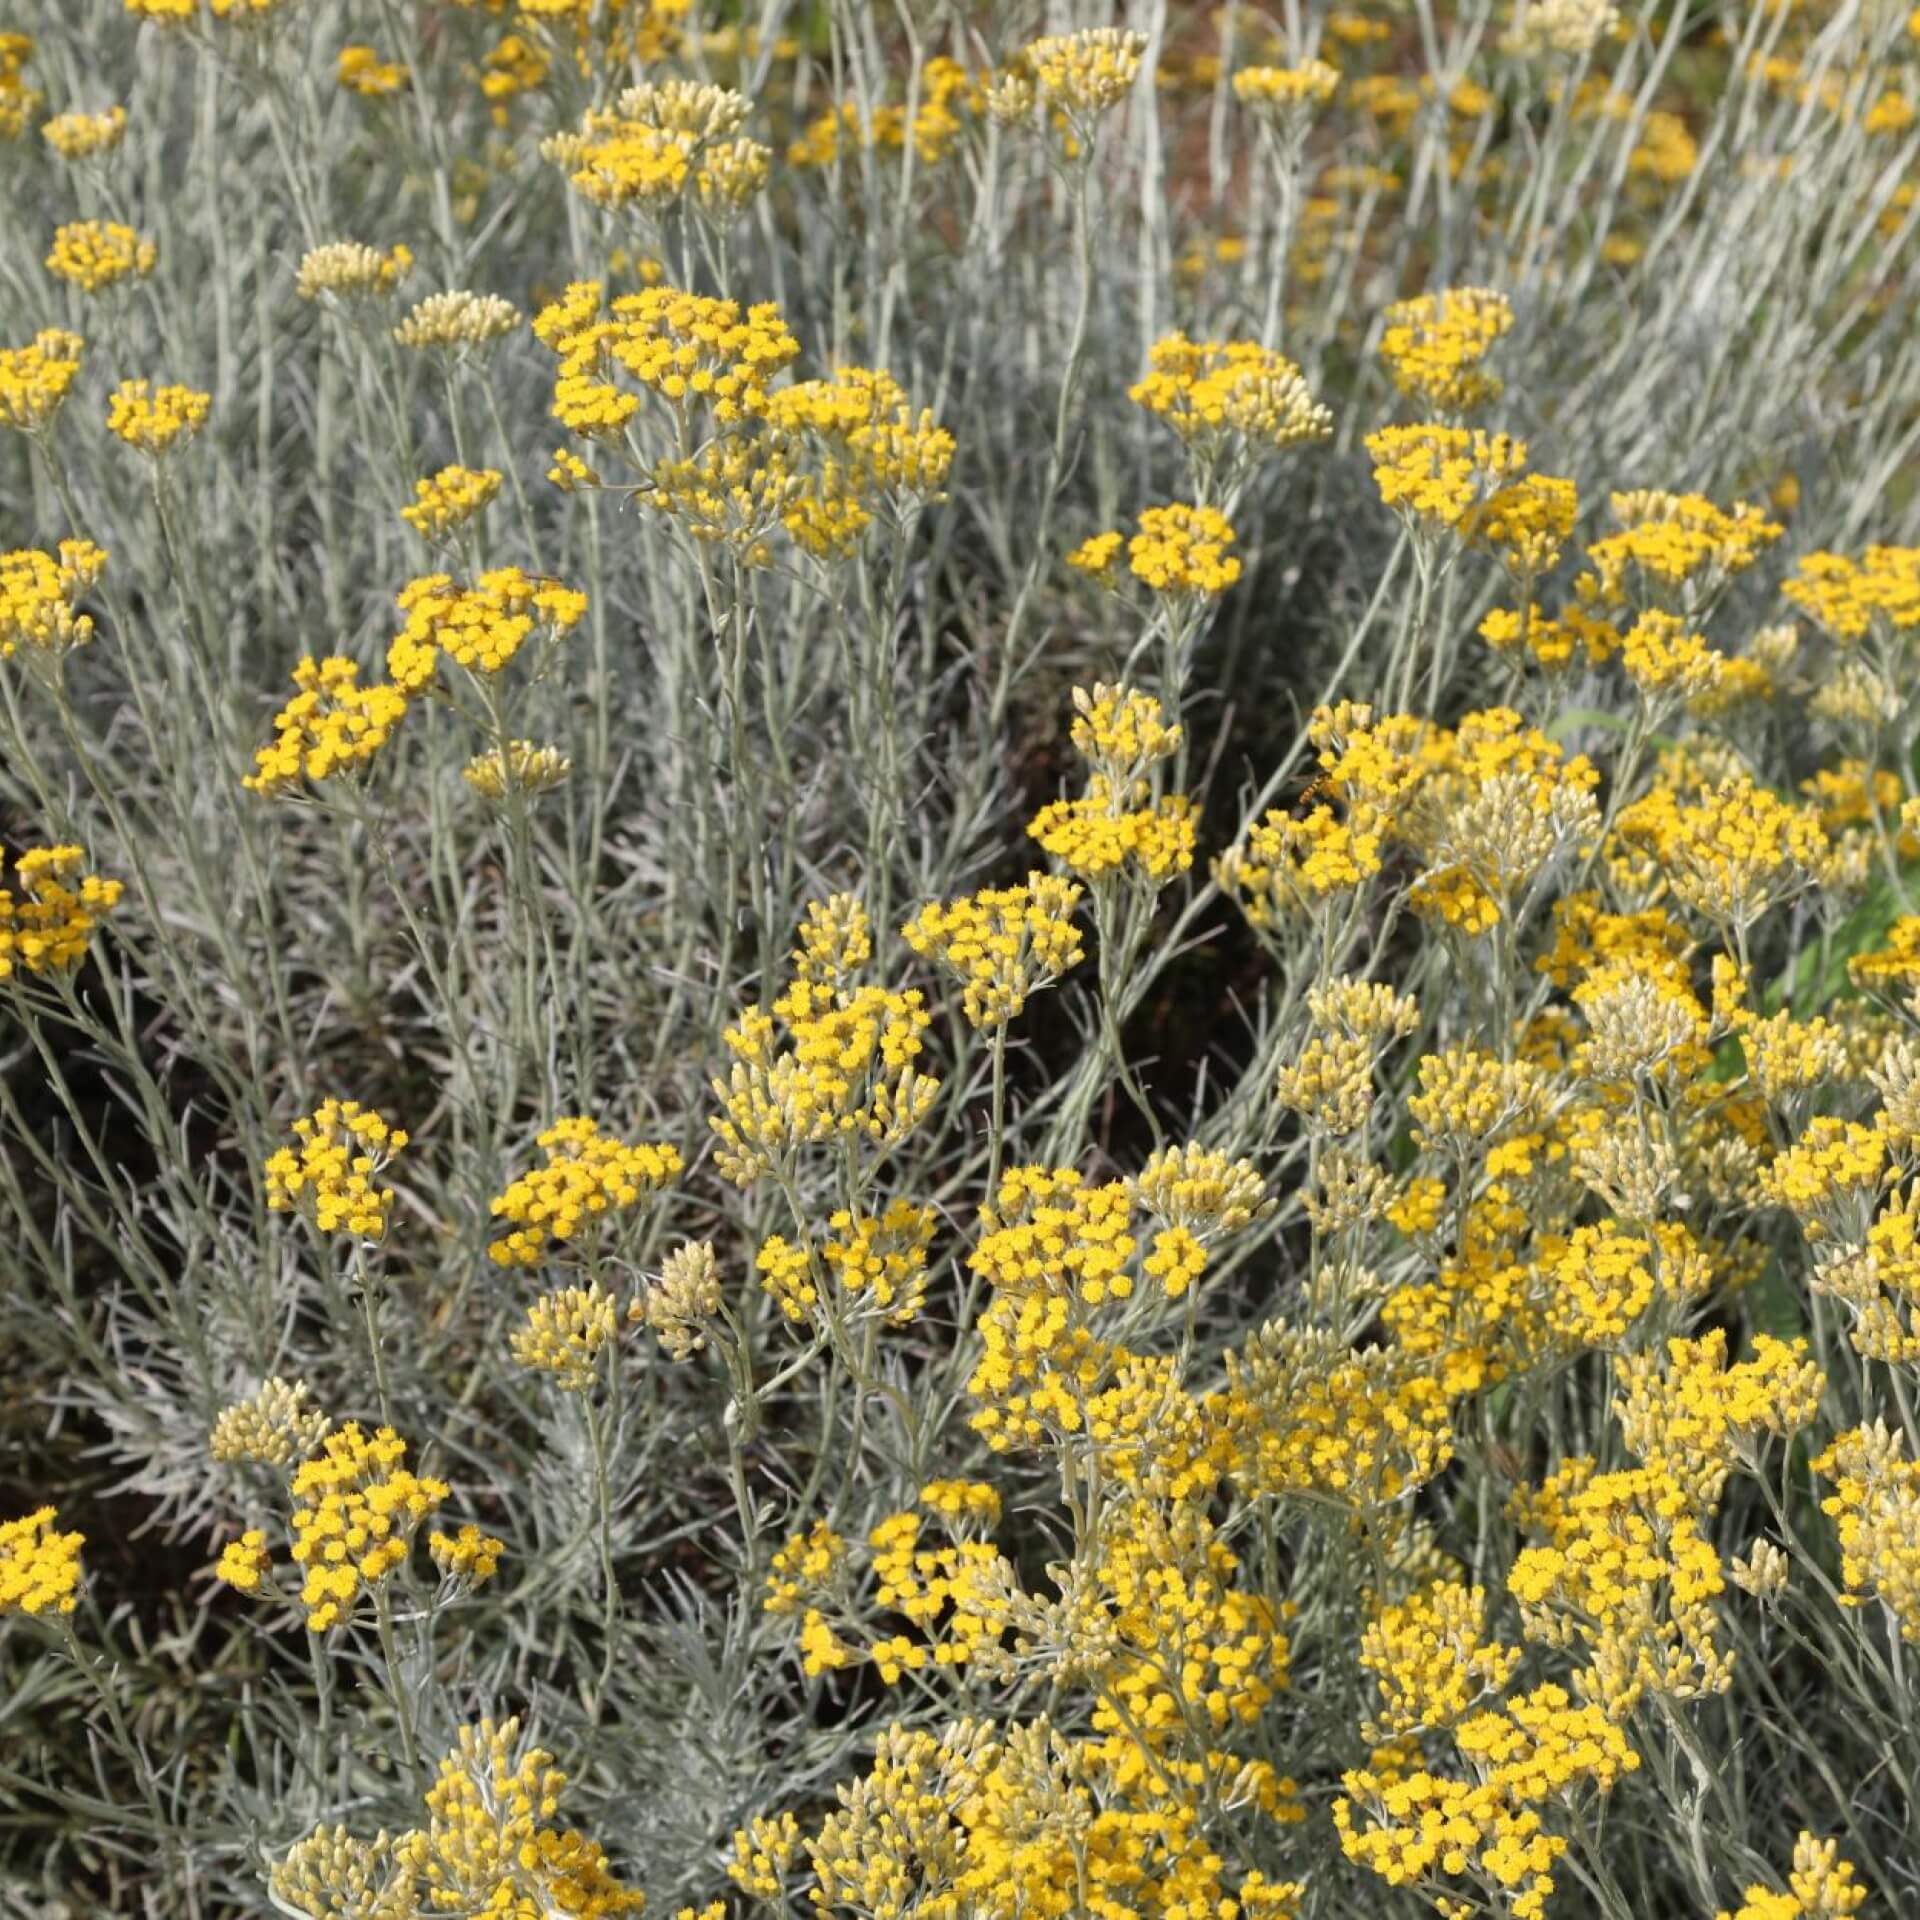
pixel 960 963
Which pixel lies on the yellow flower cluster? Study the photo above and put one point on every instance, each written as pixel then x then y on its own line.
pixel 479 627
pixel 843 1068
pixel 1849 597
pixel 882 1259
pixel 521 766
pixel 469 1556
pixel 35 379
pixel 152 419
pixel 805 1567
pixel 245 1564
pixel 700 355
pixel 1120 824
pixel 19 101
pixel 1433 346
pixel 1201 1192
pixel 1215 393
pixel 1821 1886
pixel 40 594
pixel 658 138
pixel 446 502
pixel 877 445
pixel 275 1427
pixel 976 1816
pixel 55 910
pixel 1432 1661
pixel 1283 866
pixel 79 136
pixel 564 1335
pixel 349 269
pixel 588 1176
pixel 1435 476
pixel 487 1847
pixel 1305 1415
pixel 356 1508
pixel 1002 943
pixel 1665 661
pixel 1673 544
pixel 332 726
pixel 1626 1571
pixel 39 1565
pixel 330 1175
pixel 1524 524
pixel 95 254
pixel 1286 91
pixel 1554 642
pixel 361 70
pixel 1088 73
pixel 1732 854
pixel 454 321
pixel 1178 550
pixel 1487 1835
pixel 1691 1420
pixel 1875 1505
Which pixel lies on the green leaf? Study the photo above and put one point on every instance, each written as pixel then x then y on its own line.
pixel 1773 1303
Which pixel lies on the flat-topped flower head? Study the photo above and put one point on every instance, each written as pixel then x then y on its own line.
pixel 356 1508
pixel 1851 597
pixel 1208 391
pixel 350 270
pixel 520 767
pixel 330 1174
pixel 457 321
pixel 39 598
pixel 1182 550
pixel 245 1564
pixel 1117 825
pixel 1104 833
pixel 565 1335
pixel 445 502
pixel 39 1566
pixel 81 136
pixel 479 627
pixel 1002 943
pixel 1525 524
pixel 1674 548
pixel 467 1558
pixel 36 378
pixel 1287 96
pixel 489 1846
pixel 1086 74
pixel 361 70
pixel 1202 1191
pixel 52 912
pixel 274 1428
pixel 882 443
pixel 1433 346
pixel 96 254
pixel 706 359
pixel 153 420
pixel 1435 476
pixel 833 1061
pixel 589 1177
pixel 330 728
pixel 660 138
